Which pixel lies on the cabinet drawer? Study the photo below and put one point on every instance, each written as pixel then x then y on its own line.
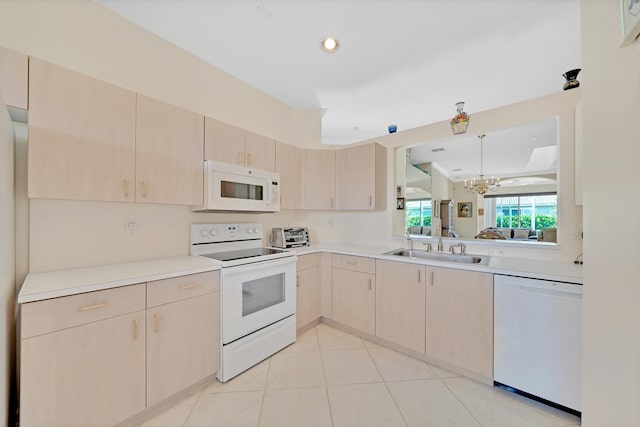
pixel 307 261
pixel 354 263
pixel 182 287
pixel 50 315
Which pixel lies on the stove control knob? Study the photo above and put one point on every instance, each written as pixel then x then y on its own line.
pixel 204 233
pixel 212 232
pixel 250 230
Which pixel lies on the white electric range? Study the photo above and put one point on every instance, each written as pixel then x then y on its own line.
pixel 257 293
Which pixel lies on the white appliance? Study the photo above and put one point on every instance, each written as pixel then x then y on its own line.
pixel 257 293
pixel 235 188
pixel 538 339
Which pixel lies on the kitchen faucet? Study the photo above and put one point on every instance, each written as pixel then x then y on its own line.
pixel 460 245
pixel 408 240
pixel 440 244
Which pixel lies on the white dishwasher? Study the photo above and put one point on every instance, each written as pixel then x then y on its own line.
pixel 538 338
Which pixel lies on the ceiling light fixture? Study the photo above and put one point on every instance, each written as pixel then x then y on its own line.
pixel 329 44
pixel 481 185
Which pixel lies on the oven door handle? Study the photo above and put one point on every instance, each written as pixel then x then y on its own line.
pixel 260 265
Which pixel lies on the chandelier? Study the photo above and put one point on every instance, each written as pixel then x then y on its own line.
pixel 481 185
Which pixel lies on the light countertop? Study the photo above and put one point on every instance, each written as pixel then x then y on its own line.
pixel 53 284
pixel 545 270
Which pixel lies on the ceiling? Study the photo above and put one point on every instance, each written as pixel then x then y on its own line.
pixel 399 62
pixel 526 150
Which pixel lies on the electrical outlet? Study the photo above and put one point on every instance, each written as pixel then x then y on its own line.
pixel 131 229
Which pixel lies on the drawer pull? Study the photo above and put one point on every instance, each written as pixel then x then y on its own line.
pixel 156 326
pixel 92 307
pixel 186 287
pixel 136 326
pixel 144 189
pixel 352 262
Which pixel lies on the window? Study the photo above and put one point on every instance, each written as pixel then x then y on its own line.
pixel 532 211
pixel 418 213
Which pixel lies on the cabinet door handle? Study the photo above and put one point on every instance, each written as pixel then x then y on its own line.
pixel 369 283
pixel 92 307
pixel 419 276
pixel 297 281
pixel 126 189
pixel 136 327
pixel 186 287
pixel 431 278
pixel 331 202
pixel 240 158
pixel 370 200
pixel 144 189
pixel 249 159
pixel 156 325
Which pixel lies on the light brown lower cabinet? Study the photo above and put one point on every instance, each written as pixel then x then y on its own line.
pixel 182 345
pixel 88 375
pixel 99 358
pixel 353 292
pixel 400 303
pixel 308 302
pixel 459 326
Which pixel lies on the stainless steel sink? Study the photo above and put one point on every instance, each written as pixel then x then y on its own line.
pixel 440 256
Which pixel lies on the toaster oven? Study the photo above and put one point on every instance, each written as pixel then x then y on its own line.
pixel 289 237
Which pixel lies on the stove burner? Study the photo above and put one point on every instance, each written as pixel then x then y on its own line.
pixel 242 254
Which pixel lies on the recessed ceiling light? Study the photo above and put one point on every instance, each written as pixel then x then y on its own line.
pixel 355 129
pixel 329 44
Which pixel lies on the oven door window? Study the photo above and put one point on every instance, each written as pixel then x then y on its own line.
pixel 262 293
pixel 239 190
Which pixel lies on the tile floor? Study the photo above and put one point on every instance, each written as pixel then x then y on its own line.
pixel 331 378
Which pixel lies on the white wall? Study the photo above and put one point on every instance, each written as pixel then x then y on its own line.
pixel 83 36
pixel 611 156
pixel 7 260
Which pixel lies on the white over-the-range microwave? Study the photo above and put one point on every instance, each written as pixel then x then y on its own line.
pixel 233 188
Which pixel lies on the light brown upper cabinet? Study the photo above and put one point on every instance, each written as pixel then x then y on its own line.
pixel 259 152
pixel 169 147
pixel 81 136
pixel 231 144
pixel 290 165
pixel 320 179
pixel 361 177
pixel 14 77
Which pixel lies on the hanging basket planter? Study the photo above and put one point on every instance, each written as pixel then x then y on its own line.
pixel 459 126
pixel 460 121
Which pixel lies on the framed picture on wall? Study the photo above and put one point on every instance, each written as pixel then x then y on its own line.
pixel 630 21
pixel 465 210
